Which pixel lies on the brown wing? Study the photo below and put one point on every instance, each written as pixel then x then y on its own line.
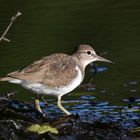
pixel 32 72
pixel 62 69
pixel 57 69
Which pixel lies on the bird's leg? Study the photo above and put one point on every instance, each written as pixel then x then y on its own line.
pixel 61 107
pixel 37 106
pixel 46 103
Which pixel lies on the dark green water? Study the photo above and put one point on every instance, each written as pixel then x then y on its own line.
pixel 50 26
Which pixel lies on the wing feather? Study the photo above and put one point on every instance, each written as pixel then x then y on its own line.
pixel 53 71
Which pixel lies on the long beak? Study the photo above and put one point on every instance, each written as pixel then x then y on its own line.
pixel 99 58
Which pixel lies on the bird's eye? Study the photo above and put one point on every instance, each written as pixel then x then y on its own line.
pixel 89 52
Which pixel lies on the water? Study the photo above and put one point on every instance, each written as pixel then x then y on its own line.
pixel 111 27
pixel 90 110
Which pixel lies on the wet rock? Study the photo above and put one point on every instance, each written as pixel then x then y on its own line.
pixel 17 109
pixel 98 122
pixel 5 100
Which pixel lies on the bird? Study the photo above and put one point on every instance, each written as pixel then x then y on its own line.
pixel 56 74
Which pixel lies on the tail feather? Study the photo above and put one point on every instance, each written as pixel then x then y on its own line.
pixel 6 78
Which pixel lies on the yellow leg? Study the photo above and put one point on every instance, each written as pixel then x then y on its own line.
pixel 37 106
pixel 61 107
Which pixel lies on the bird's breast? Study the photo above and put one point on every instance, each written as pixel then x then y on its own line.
pixel 73 83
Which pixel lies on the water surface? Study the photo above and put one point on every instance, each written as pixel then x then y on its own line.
pixel 111 27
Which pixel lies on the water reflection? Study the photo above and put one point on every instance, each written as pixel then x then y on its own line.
pixel 89 109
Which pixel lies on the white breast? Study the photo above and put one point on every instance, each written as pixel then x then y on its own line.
pixel 73 84
pixel 65 89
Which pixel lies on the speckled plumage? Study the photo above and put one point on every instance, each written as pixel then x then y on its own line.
pixel 56 70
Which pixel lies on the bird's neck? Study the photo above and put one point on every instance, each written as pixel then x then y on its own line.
pixel 80 65
pixel 81 61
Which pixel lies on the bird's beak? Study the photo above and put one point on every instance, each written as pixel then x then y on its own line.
pixel 99 58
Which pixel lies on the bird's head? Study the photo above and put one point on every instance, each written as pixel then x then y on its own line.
pixel 87 55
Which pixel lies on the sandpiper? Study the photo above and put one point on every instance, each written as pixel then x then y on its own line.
pixel 57 74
